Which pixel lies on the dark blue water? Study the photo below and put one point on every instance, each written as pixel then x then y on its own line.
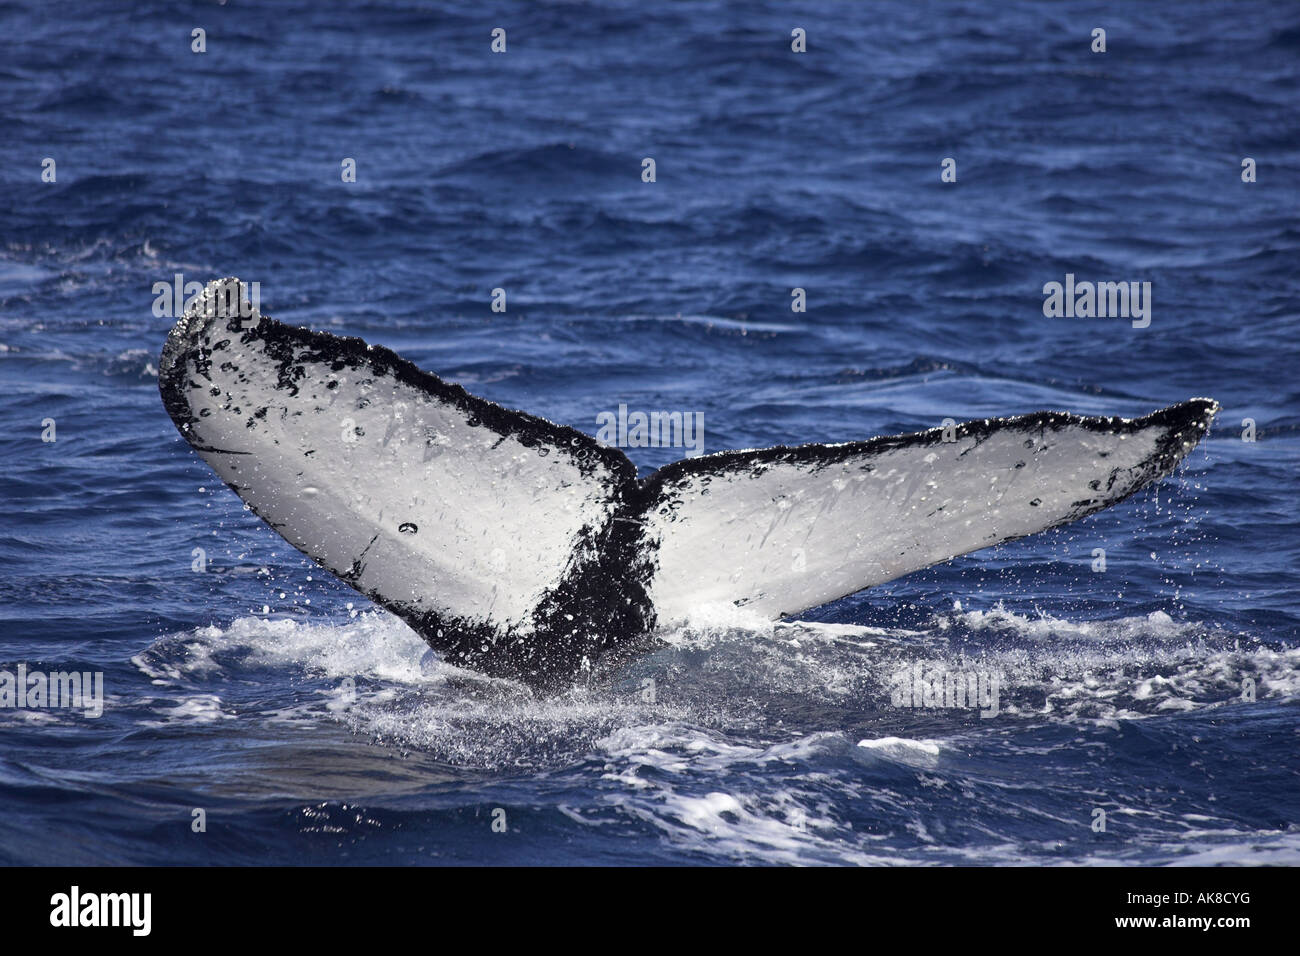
pixel 1122 689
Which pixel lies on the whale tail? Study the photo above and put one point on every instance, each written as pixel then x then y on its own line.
pixel 526 549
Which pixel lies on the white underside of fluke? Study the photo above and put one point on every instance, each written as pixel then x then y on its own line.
pixel 785 537
pixel 409 496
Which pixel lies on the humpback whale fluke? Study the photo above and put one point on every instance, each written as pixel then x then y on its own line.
pixel 522 548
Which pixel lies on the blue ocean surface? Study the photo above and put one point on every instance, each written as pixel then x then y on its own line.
pixel 1147 709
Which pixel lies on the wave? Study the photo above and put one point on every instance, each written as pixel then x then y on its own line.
pixel 727 670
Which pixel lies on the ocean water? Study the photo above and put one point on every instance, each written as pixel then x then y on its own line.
pixel 310 727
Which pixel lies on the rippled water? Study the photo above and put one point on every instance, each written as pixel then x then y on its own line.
pixel 312 727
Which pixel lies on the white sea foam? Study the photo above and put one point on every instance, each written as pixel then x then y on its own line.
pixel 654 769
pixel 902 746
pixel 187 709
pixel 728 760
pixel 1120 669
